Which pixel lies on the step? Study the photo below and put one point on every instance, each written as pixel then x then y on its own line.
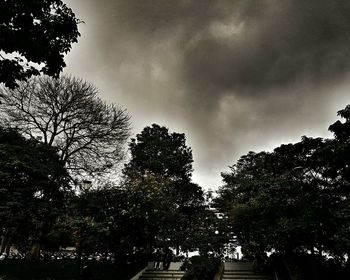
pixel 150 274
pixel 159 277
pixel 240 271
pixel 246 276
pixel 155 272
pixel 258 276
pixel 247 266
pixel 251 275
pixel 255 276
pixel 243 278
pixel 164 271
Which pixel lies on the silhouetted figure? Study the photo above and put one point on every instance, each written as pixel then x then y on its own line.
pixel 85 273
pixel 167 258
pixel 157 259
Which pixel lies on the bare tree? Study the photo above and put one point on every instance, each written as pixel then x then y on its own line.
pixel 67 113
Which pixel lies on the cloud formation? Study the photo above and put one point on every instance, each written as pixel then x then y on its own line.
pixel 233 75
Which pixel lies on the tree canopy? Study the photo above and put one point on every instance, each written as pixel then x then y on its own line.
pixel 158 152
pixel 33 184
pixel 294 199
pixel 161 168
pixel 68 114
pixel 34 36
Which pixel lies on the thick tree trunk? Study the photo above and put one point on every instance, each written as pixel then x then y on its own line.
pixel 35 251
pixel 290 274
pixel 5 242
pixel 8 245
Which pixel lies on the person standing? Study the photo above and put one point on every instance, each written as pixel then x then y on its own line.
pixel 157 259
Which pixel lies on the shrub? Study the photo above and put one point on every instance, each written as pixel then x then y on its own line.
pixel 201 268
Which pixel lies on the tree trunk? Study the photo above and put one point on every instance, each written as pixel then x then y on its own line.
pixel 5 242
pixel 290 274
pixel 35 251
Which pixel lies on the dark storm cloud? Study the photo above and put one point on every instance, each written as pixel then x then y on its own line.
pixel 234 75
pixel 280 43
pixel 276 42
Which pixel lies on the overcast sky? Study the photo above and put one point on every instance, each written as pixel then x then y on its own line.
pixel 234 76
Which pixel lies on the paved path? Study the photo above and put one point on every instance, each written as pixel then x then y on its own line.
pixel 173 273
pixel 242 271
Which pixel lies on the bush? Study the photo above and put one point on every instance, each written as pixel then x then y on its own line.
pixel 201 268
pixel 64 270
pixel 307 266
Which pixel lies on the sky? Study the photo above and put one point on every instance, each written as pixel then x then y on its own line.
pixel 233 75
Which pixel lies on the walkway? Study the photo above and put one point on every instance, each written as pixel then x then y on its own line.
pixel 242 271
pixel 173 273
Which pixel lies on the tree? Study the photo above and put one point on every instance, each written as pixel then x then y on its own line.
pixel 277 200
pixel 33 185
pixel 34 34
pixel 67 113
pixel 112 220
pixel 158 152
pixel 294 200
pixel 161 166
pixel 339 172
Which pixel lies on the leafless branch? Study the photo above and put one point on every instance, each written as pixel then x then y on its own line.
pixel 67 113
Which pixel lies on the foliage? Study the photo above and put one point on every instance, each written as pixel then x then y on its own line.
pixel 160 169
pixel 201 268
pixel 65 270
pixel 34 32
pixel 304 266
pixel 294 199
pixel 158 152
pixel 67 113
pixel 104 220
pixel 208 234
pixel 33 184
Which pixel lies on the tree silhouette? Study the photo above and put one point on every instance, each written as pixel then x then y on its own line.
pixel 67 113
pixel 33 35
pixel 161 167
pixel 33 185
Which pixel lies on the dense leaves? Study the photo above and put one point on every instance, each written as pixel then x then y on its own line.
pixel 158 152
pixel 201 268
pixel 294 199
pixel 33 185
pixel 34 34
pixel 161 167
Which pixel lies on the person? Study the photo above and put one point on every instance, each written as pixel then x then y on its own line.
pixel 157 259
pixel 3 256
pixel 168 256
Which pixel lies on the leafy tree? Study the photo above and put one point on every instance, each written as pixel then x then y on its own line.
pixel 158 152
pixel 67 113
pixel 208 234
pixel 34 32
pixel 161 165
pixel 33 184
pixel 339 173
pixel 111 220
pixel 294 199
